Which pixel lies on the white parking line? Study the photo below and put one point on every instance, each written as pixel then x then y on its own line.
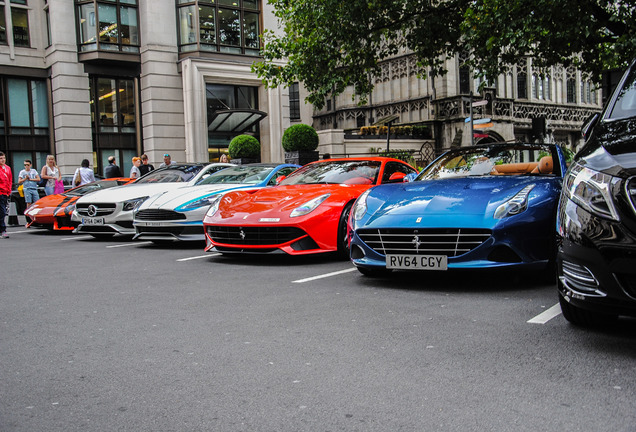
pixel 17 232
pixel 128 244
pixel 547 315
pixel 325 275
pixel 198 257
pixel 79 237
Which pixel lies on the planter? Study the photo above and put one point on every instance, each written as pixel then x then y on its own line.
pixel 243 161
pixel 301 157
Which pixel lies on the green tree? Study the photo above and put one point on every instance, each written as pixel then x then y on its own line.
pixel 330 45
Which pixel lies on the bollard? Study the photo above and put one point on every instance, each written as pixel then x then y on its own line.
pixel 13 215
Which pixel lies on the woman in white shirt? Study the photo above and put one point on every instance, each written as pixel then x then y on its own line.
pixel 50 173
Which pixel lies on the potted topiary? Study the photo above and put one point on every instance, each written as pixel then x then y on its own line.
pixel 300 142
pixel 244 149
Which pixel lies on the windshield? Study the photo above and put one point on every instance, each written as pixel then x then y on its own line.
pixel 492 160
pixel 92 187
pixel 171 174
pixel 625 104
pixel 336 172
pixel 239 175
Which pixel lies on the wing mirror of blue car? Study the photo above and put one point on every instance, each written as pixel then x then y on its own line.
pixel 409 177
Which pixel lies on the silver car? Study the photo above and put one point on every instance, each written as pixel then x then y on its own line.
pixel 108 212
pixel 178 214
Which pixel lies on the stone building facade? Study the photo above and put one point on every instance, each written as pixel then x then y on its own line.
pixel 87 79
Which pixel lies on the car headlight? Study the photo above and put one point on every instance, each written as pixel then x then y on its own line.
pixel 591 190
pixel 201 202
pixel 515 205
pixel 360 206
pixel 133 203
pixel 214 205
pixel 309 206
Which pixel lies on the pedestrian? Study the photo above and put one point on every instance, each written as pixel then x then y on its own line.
pixel 134 171
pixel 6 181
pixel 145 167
pixel 29 179
pixel 167 160
pixel 224 158
pixel 112 170
pixel 84 174
pixel 50 173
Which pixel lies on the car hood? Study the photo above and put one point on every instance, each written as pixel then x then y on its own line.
pixel 611 148
pixel 174 198
pixel 127 192
pixel 283 199
pixel 469 202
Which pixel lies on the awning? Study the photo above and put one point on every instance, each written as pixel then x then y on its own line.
pixel 234 120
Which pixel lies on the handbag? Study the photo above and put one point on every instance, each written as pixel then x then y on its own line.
pixel 77 179
pixel 21 190
pixel 59 187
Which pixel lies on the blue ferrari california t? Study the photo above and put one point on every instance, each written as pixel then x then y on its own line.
pixel 483 206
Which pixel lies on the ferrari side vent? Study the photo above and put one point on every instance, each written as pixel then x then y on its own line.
pixel 451 242
pixel 253 236
pixel 159 215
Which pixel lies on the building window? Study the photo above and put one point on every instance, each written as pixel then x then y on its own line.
pixel 20 22
pixel 294 102
pixel 114 111
pixel 28 107
pixel 522 86
pixel 111 25
pixel 3 27
pixel 230 26
pixel 571 90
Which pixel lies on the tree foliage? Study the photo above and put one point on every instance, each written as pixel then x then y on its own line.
pixel 330 45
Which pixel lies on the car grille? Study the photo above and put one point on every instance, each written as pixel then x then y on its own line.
pixel 253 236
pixel 438 241
pixel 171 230
pixel 158 215
pixel 630 189
pixel 102 209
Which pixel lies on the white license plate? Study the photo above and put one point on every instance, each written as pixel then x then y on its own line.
pixel 417 262
pixel 148 223
pixel 92 221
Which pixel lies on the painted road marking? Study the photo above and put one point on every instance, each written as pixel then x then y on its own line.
pixel 128 244
pixel 76 237
pixel 547 315
pixel 326 275
pixel 17 232
pixel 198 257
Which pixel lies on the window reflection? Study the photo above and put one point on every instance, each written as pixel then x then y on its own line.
pixel 20 21
pixel 109 25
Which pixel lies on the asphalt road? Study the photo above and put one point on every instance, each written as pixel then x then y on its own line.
pixel 124 336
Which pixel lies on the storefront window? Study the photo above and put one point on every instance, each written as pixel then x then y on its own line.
pixel 28 107
pixel 115 105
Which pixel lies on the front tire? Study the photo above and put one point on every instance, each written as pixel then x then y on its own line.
pixel 343 232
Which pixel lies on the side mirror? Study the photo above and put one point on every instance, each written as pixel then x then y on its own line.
pixel 280 179
pixel 397 177
pixel 588 125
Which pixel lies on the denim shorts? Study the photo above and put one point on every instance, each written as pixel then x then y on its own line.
pixel 31 195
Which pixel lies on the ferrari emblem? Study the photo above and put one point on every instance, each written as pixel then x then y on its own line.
pixel 418 220
pixel 416 242
pixel 242 234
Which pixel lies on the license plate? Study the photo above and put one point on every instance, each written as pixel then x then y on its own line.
pixel 148 223
pixel 417 262
pixel 92 221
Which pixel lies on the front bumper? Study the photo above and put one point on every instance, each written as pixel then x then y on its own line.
pixel 595 262
pixel 164 231
pixel 117 222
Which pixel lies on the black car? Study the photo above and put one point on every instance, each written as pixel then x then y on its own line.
pixel 596 222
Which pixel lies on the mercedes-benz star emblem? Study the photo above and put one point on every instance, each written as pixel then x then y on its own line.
pixel 92 210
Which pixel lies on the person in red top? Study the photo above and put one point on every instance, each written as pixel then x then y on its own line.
pixel 6 181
